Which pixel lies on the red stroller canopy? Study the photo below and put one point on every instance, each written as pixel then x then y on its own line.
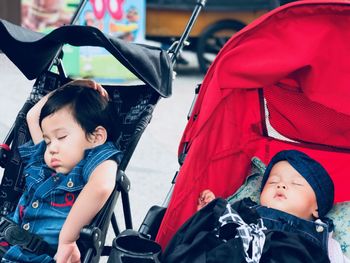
pixel 292 63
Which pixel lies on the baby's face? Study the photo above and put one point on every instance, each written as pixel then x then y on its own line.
pixel 288 191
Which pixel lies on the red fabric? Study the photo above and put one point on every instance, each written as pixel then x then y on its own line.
pixel 21 211
pixel 297 56
pixel 297 117
pixel 5 146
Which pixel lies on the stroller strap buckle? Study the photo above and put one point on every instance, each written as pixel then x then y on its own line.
pixel 15 235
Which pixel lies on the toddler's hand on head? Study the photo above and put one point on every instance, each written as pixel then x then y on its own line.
pixel 205 198
pixel 90 84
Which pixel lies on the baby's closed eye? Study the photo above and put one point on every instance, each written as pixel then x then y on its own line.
pixel 273 180
pixel 298 183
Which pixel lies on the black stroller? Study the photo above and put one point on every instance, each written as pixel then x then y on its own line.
pixel 134 105
pixel 34 54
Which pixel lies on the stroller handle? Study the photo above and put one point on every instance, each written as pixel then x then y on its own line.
pixel 176 49
pixel 183 40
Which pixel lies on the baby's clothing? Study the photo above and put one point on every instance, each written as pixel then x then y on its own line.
pixel 284 231
pixel 214 234
pixel 318 232
pixel 315 231
pixel 49 196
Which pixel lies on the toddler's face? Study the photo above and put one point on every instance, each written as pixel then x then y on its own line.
pixel 65 139
pixel 288 191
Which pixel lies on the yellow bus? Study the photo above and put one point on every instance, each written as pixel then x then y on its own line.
pixel 217 22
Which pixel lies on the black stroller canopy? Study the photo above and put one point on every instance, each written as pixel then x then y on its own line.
pixel 33 52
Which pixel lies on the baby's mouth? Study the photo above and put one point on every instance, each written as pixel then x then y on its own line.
pixel 279 196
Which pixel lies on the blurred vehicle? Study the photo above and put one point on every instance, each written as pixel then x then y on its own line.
pixel 218 21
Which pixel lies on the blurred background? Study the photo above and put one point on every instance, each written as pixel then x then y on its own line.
pixel 162 21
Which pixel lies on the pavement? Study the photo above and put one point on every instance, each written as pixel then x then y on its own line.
pixel 154 161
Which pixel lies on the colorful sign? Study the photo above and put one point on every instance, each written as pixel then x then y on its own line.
pixel 121 18
pixel 124 19
pixel 45 15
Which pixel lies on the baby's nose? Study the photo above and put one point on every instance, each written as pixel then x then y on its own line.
pixel 53 148
pixel 281 186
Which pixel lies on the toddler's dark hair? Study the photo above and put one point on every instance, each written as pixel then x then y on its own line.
pixel 88 107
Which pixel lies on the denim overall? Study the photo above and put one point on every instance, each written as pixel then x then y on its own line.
pixel 49 196
pixel 316 231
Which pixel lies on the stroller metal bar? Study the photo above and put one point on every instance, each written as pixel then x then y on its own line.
pixel 72 22
pixel 53 62
pixel 9 136
pixel 88 256
pixel 183 40
pixel 196 92
pixel 115 224
pixel 60 68
pixel 170 192
pixel 168 196
pixel 4 152
pixel 78 11
pixel 126 210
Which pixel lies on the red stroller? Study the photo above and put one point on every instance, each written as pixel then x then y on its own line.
pixel 280 83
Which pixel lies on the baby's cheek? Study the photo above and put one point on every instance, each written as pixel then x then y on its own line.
pixel 264 197
pixel 46 158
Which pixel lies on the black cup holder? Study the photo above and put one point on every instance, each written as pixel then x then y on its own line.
pixel 131 247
